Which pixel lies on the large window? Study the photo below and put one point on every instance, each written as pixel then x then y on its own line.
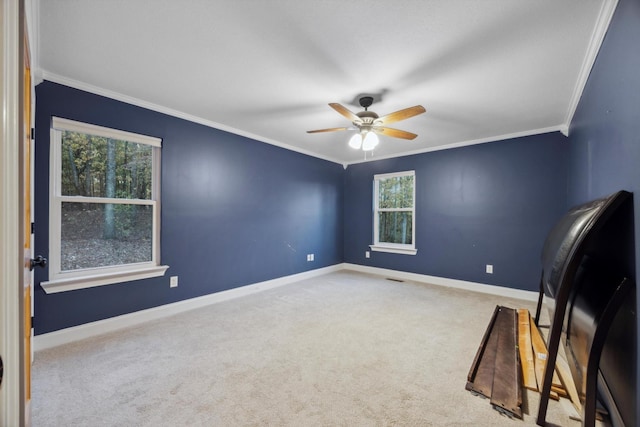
pixel 104 213
pixel 394 213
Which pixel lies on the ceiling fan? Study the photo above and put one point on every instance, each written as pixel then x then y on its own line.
pixel 369 124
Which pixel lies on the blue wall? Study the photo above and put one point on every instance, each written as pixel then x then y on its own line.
pixel 605 132
pixel 237 211
pixel 604 143
pixel 234 211
pixel 492 203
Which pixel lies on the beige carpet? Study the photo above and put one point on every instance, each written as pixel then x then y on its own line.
pixel 344 349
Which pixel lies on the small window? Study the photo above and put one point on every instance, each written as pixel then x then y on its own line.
pixel 394 213
pixel 104 218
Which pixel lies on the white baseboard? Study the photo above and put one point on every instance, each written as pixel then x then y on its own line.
pixel 87 330
pixel 443 281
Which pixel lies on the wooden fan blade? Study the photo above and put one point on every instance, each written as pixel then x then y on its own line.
pixel 326 130
pixel 346 113
pixel 396 133
pixel 402 114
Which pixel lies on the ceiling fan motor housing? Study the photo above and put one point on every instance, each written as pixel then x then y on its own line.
pixel 367 116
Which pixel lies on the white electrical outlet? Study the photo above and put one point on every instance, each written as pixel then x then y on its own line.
pixel 309 257
pixel 173 282
pixel 367 254
pixel 489 269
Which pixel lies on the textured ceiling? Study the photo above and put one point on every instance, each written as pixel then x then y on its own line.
pixel 484 70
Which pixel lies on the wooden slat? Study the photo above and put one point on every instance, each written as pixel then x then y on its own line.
pixel 539 352
pixel 540 355
pixel 560 391
pixel 506 393
pixel 569 385
pixel 555 380
pixel 480 378
pixel 526 351
pixel 496 371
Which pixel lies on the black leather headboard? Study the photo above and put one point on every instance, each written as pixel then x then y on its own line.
pixel 588 267
pixel 568 241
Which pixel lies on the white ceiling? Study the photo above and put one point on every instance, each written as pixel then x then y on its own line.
pixel 484 70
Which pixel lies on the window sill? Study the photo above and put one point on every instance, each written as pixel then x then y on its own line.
pixel 92 280
pixel 394 249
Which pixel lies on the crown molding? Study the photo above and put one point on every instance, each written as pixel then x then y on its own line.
pixel 41 75
pixel 76 84
pixel 557 128
pixel 597 37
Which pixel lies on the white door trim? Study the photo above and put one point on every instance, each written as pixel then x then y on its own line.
pixel 11 250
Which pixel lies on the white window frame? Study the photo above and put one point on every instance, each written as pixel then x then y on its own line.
pixel 397 248
pixel 60 281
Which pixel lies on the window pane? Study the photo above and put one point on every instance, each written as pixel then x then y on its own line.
pixel 99 235
pixel 395 192
pixel 96 166
pixel 395 227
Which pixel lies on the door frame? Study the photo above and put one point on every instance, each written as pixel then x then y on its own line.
pixel 12 390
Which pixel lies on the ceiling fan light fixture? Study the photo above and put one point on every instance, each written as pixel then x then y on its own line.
pixel 356 141
pixel 370 141
pixel 369 124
